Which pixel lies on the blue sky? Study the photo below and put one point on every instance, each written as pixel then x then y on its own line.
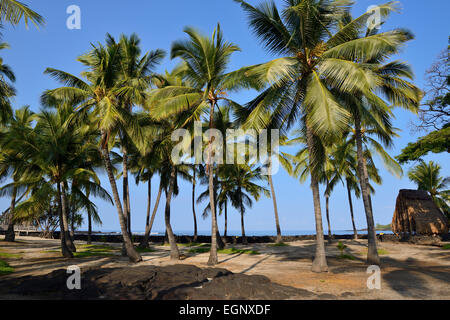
pixel 158 23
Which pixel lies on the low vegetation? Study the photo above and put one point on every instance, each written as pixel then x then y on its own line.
pixel 224 251
pixel 5 268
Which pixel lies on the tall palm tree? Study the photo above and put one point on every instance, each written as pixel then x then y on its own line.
pixel 319 60
pixel 99 96
pixel 12 162
pixel 57 148
pixel 205 67
pixel 136 74
pixel 370 109
pixel 427 177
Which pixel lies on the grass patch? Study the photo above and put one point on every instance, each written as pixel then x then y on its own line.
pixel 225 251
pixel 5 268
pixel 96 247
pixel 199 250
pixel 380 252
pixel 446 246
pixel 89 250
pixel 234 250
pixel 346 256
pixel 10 255
pixel 88 253
pixel 281 244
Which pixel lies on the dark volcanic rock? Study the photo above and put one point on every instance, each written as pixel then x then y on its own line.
pixel 176 282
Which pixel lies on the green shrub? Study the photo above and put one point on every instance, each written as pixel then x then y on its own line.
pixel 341 247
pixel 10 255
pixel 5 268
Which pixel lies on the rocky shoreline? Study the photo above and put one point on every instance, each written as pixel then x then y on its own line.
pixel 117 238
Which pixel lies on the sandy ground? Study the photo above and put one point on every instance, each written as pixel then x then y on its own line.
pixel 408 271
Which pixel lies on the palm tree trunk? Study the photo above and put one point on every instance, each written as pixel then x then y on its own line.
pixel 144 242
pixel 320 261
pixel 220 242
pixel 10 234
pixel 275 207
pixel 89 239
pixel 226 220
pixel 372 254
pixel 65 207
pixel 244 238
pixel 210 168
pixel 349 194
pixel 126 190
pixel 174 253
pixel 193 205
pixel 132 254
pixel 149 202
pixel 327 210
pixel 62 234
pixel 72 222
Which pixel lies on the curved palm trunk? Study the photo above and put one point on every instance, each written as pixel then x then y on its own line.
pixel 226 220
pixel 89 239
pixel 63 232
pixel 193 207
pixel 10 234
pixel 372 254
pixel 174 253
pixel 65 207
pixel 320 261
pixel 144 242
pixel 220 242
pixel 349 194
pixel 244 238
pixel 149 202
pixel 213 259
pixel 327 210
pixel 275 207
pixel 132 254
pixel 125 196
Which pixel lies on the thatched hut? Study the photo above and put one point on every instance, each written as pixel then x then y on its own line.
pixel 416 213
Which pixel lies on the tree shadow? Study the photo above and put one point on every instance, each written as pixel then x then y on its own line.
pixel 255 264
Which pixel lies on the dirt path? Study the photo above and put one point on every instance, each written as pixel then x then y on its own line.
pixel 408 271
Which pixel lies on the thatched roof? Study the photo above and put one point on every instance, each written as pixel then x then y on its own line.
pixel 416 212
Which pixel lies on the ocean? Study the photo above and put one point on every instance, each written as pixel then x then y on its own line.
pixel 238 233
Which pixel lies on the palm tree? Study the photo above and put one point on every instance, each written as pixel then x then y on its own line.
pixel 100 97
pixel 328 174
pixel 320 60
pixel 369 109
pixel 346 158
pixel 12 161
pixel 243 179
pixel 136 74
pixel 427 177
pixel 14 11
pixel 55 147
pixel 7 91
pixel 205 65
